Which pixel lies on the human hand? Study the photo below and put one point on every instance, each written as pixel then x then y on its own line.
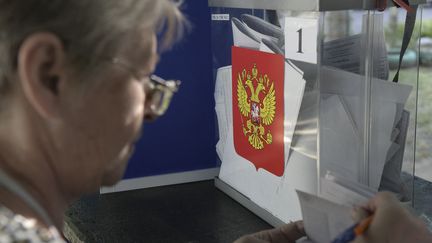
pixel 391 222
pixel 288 233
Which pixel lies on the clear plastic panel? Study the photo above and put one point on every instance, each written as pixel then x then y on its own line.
pixel 344 94
pixel 421 148
pixel 398 173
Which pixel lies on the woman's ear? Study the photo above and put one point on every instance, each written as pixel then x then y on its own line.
pixel 41 73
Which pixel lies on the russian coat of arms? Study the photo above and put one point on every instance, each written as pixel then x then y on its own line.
pixel 257 104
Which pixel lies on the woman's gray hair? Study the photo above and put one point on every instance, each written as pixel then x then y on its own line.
pixel 89 29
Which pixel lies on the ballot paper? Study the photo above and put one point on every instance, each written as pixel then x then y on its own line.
pixel 223 106
pixel 263 29
pixel 222 127
pixel 251 30
pixel 293 94
pixel 323 220
pixel 387 100
pixel 343 53
pixel 327 215
pixel 341 146
pixel 270 46
pixel 340 190
pixel 310 74
pixel 348 53
pixel 242 36
pixel 391 179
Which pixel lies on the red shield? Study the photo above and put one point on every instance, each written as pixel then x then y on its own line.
pixel 258 108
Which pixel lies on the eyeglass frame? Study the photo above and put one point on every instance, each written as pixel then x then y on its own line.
pixel 157 87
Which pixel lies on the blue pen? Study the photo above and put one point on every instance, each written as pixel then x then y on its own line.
pixel 352 232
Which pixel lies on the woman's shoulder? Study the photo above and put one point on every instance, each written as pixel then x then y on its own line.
pixel 16 228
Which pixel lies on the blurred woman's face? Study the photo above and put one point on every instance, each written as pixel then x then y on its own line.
pixel 105 122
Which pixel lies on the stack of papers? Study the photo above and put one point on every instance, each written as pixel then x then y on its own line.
pixel 344 78
pixel 342 96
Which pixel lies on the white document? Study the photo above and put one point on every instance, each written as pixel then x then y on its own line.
pixel 305 135
pixel 224 75
pixel 293 95
pixel 323 220
pixel 342 191
pixel 219 96
pixel 294 89
pixel 348 53
pixel 222 126
pixel 242 37
pixel 343 53
pixel 262 36
pixel 265 48
pixel 264 29
pixel 310 74
pixel 246 37
pixel 391 178
pixel 223 106
pixel 387 99
pixel 340 146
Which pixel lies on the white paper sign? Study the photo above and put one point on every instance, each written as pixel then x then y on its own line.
pixel 301 39
pixel 220 17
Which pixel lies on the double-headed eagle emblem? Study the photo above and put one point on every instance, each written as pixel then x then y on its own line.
pixel 259 114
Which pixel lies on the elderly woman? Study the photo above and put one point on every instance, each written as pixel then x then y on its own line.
pixel 75 86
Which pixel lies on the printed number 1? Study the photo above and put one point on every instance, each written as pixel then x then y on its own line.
pixel 300 32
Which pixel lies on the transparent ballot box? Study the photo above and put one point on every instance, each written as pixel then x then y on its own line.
pixel 308 106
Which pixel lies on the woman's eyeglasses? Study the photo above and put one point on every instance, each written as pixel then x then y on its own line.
pixel 159 92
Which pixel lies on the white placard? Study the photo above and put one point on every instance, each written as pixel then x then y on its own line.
pixel 301 36
pixel 220 17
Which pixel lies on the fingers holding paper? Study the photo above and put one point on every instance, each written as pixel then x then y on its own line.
pixel 391 222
